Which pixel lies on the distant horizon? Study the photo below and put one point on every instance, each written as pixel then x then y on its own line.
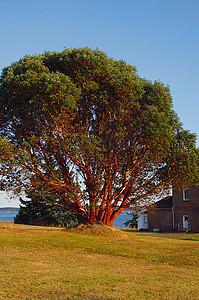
pixel 9 207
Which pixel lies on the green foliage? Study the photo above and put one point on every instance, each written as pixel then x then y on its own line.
pixel 92 131
pixel 38 210
pixel 133 221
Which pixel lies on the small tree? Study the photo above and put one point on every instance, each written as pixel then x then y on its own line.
pixel 39 210
pixel 96 134
pixel 133 221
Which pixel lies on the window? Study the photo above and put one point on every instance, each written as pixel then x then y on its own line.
pixel 186 195
pixel 145 219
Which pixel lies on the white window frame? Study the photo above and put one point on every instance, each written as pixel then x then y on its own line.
pixel 145 218
pixel 186 195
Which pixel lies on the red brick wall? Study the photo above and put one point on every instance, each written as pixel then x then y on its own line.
pixel 160 219
pixel 193 196
pixel 190 208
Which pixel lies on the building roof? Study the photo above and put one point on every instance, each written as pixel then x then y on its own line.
pixel 164 203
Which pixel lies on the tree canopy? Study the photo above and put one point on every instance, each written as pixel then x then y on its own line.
pixel 92 131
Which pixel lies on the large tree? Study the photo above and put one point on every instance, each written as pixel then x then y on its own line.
pixel 94 132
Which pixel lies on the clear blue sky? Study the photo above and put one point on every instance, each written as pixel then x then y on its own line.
pixel 159 37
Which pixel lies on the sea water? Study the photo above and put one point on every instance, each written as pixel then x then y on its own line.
pixel 119 222
pixel 8 216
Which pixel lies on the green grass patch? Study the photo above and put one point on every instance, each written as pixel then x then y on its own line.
pixel 47 263
pixel 192 239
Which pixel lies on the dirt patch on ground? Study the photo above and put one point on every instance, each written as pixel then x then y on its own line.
pixel 97 229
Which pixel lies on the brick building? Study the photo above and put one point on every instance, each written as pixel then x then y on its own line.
pixel 186 209
pixel 179 212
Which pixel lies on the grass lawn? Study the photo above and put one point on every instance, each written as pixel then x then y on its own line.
pixel 43 263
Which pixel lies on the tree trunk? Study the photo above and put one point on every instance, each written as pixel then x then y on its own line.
pixel 91 217
pixel 107 218
pixel 82 219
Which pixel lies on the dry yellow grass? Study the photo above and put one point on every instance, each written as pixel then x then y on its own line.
pixel 50 263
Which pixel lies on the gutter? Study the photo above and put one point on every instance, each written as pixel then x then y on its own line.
pixel 173 218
